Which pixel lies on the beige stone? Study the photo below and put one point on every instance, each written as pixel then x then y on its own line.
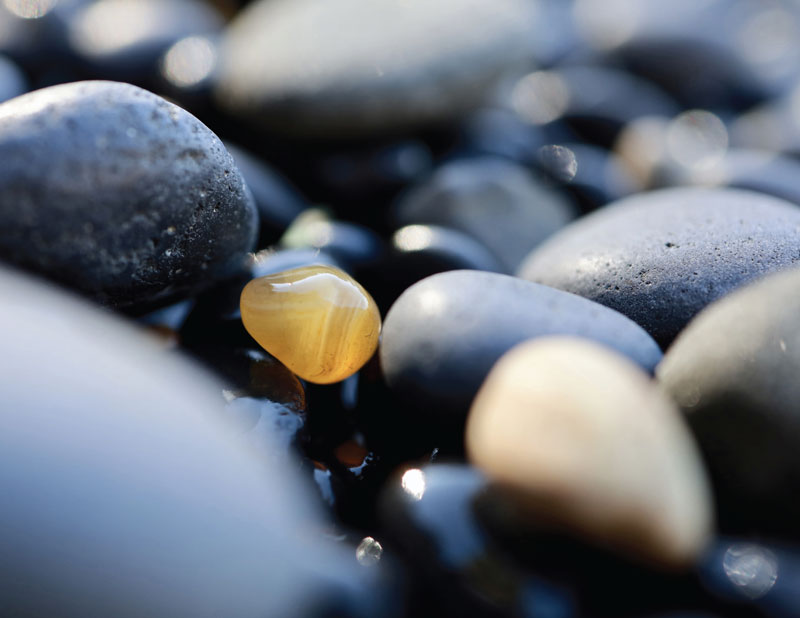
pixel 581 439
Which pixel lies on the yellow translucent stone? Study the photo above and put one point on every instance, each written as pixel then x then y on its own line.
pixel 316 320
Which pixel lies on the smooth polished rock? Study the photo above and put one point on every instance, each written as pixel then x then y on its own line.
pixel 317 320
pixel 493 200
pixel 345 67
pixel 582 439
pixel 733 372
pixel 113 191
pixel 444 333
pixel 116 461
pixel 661 257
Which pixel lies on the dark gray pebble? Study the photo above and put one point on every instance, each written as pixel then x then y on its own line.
pixel 442 336
pixel 733 371
pixel 661 257
pixel 115 192
pixel 493 200
pixel 12 80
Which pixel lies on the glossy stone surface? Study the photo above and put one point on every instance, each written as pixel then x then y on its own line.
pixel 127 198
pixel 317 320
pixel 661 257
pixel 444 333
pixel 428 515
pixel 581 439
pixel 124 465
pixel 367 67
pixel 733 372
pixel 496 201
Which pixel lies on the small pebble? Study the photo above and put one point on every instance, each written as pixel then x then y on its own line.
pixel 317 320
pixel 580 438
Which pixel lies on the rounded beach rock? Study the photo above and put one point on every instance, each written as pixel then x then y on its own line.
pixel 733 371
pixel 125 491
pixel 661 257
pixel 345 66
pixel 444 333
pixel 583 440
pixel 113 191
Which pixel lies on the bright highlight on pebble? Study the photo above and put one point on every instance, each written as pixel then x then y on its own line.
pixel 189 61
pixel 316 320
pixel 413 483
pixel 30 9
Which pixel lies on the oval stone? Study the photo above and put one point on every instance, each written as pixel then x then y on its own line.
pixel 733 371
pixel 345 66
pixel 124 465
pixel 661 257
pixel 444 333
pixel 316 320
pixel 580 438
pixel 113 191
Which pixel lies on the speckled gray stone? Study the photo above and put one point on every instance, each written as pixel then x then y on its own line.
pixel 345 66
pixel 124 490
pixel 491 199
pixel 113 191
pixel 661 257
pixel 444 333
pixel 734 371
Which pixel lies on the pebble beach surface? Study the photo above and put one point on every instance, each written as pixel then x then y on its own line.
pixel 399 309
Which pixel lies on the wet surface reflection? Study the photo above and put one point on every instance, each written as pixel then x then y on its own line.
pixel 751 568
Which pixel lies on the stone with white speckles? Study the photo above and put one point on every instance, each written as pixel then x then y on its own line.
pixel 661 257
pixel 112 191
pixel 734 371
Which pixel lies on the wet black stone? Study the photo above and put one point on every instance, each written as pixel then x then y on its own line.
pixel 112 191
pixel 277 201
pixel 442 336
pixel 418 251
pixel 494 200
pixel 661 257
pixel 733 372
pixel 351 244
pixel 428 517
pixel 124 40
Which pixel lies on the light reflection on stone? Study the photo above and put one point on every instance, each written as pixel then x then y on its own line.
pixel 189 62
pixel 30 9
pixel 369 552
pixel 751 568
pixel 697 139
pixel 540 97
pixel 413 483
pixel 413 238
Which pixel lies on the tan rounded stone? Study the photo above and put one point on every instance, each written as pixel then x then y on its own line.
pixel 581 439
pixel 316 320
